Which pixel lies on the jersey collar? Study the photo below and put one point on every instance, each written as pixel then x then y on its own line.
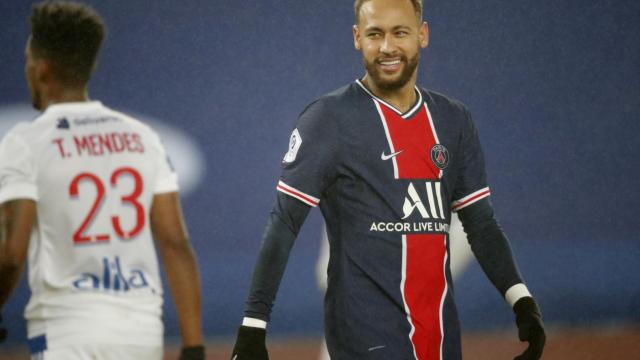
pixel 80 106
pixel 404 115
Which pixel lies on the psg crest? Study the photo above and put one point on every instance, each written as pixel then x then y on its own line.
pixel 440 156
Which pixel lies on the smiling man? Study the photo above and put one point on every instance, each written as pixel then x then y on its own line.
pixel 387 162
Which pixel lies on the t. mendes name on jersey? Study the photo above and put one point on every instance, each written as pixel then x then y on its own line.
pixel 422 210
pixel 99 144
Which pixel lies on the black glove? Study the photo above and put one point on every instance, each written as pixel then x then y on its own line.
pixel 192 353
pixel 530 328
pixel 3 330
pixel 250 344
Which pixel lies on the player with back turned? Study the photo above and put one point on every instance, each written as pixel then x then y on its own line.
pixel 84 190
pixel 387 162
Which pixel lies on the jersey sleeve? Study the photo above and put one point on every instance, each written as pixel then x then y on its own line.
pixel 166 178
pixel 17 170
pixel 471 184
pixel 309 166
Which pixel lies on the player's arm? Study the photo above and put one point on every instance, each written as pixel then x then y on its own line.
pixel 491 247
pixel 170 233
pixel 16 220
pixel 489 243
pixel 308 169
pixel 286 218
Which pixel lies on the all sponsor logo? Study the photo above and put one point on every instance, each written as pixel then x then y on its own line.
pixel 427 209
pixel 413 202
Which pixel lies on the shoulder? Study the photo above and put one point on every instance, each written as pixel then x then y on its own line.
pixel 453 110
pixel 17 147
pixel 130 120
pixel 26 132
pixel 334 105
pixel 137 125
pixel 16 140
pixel 444 103
pixel 21 129
pixel 320 120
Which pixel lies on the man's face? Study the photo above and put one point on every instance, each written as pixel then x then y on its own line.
pixel 390 37
pixel 31 76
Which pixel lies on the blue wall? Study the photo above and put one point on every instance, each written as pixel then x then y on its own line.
pixel 554 88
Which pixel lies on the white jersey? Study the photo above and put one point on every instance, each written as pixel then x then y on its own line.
pixel 93 269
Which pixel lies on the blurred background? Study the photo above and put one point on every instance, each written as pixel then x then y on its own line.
pixel 554 88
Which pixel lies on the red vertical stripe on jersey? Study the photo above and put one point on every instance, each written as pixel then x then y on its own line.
pixel 424 288
pixel 424 283
pixel 412 141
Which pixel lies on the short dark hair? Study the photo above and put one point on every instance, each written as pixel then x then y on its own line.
pixel 69 35
pixel 417 6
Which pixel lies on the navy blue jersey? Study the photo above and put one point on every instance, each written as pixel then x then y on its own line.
pixel 386 183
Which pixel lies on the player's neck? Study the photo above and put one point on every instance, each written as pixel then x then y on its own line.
pixel 402 99
pixel 66 94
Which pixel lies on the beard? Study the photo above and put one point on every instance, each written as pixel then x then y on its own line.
pixel 400 80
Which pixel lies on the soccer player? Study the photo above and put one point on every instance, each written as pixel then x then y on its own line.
pixel 387 162
pixel 83 191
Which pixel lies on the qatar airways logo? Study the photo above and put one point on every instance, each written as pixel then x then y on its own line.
pixel 427 207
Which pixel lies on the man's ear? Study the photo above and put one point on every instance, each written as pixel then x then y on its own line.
pixel 356 38
pixel 424 35
pixel 43 70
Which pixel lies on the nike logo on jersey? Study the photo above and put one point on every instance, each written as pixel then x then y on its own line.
pixel 385 157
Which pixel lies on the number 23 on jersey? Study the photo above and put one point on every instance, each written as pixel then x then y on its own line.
pixel 82 235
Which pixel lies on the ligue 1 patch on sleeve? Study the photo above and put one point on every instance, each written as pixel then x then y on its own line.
pixel 294 145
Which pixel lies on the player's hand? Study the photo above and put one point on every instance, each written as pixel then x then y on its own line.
pixel 192 353
pixel 3 330
pixel 530 328
pixel 250 344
